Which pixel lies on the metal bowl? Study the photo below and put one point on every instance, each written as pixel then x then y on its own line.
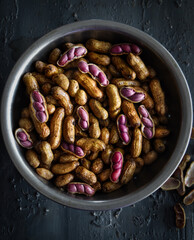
pixel 178 100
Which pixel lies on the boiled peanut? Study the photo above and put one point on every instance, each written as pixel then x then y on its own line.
pixel 27 124
pixel 63 99
pixel 44 173
pixel 122 82
pixel 39 66
pixel 93 155
pixel 46 89
pixel 73 88
pixel 41 78
pixel 32 158
pixel 114 135
pixel 150 157
pixel 81 97
pixel 63 168
pixel 86 175
pixel 146 145
pixel 138 66
pixel 69 129
pixel 54 55
pixel 97 166
pixel 51 100
pixel 159 97
pixel 25 113
pixel 113 71
pixel 128 171
pixel 98 58
pixel 61 80
pixel 98 46
pixel 136 145
pixel 110 186
pixel 97 109
pixel 161 132
pixel 123 67
pixel 63 180
pixel 30 82
pixel 139 164
pixel 104 175
pixel 56 128
pixel 97 186
pixel 131 113
pixel 46 153
pixel 114 100
pixel 51 109
pixel 50 70
pixel 152 72
pixel 159 145
pixel 105 135
pixel 85 163
pixel 94 128
pixel 91 144
pixel 67 158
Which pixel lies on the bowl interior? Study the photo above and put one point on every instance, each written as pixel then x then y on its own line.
pixel 149 174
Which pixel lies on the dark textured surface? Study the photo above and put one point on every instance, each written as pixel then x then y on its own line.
pixel 24 213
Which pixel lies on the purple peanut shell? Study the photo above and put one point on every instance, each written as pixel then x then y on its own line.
pixel 83 124
pixel 143 111
pixel 94 70
pixel 83 114
pixel 70 54
pixel 137 97
pixel 103 79
pixel 79 151
pixel 80 188
pixel 37 97
pixel 147 122
pixel 122 119
pixel 135 49
pixel 26 144
pixel 115 175
pixel 63 60
pixel 71 188
pixel 116 49
pixel 41 116
pixel 71 148
pixel 83 66
pixel 22 136
pixel 148 132
pixel 127 92
pixel 123 128
pixel 80 51
pixel 125 137
pixel 38 107
pixel 117 156
pixel 126 47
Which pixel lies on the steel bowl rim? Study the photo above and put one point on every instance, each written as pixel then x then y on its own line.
pixel 54 193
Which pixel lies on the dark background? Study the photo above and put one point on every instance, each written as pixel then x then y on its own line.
pixel 26 214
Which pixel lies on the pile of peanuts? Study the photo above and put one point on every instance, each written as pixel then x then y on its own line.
pixel 96 116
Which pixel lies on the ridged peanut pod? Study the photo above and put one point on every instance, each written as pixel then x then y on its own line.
pixel 69 129
pixel 110 186
pixel 91 144
pixel 63 180
pixel 44 173
pixel 38 106
pixel 131 113
pixel 98 58
pixel 46 153
pixel 54 55
pixel 63 168
pixel 61 80
pixel 98 46
pixel 159 97
pixel 86 175
pixel 30 82
pixel 89 84
pixel 136 144
pixel 63 99
pixel 128 172
pixel 56 128
pixel 97 109
pixel 41 128
pixel 94 128
pixel 138 66
pixel 123 67
pixel 122 82
pixel 23 138
pixel 114 100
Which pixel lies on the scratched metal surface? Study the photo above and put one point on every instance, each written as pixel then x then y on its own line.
pixel 24 213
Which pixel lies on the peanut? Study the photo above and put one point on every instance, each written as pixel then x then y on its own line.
pixel 26 123
pixel 86 163
pixel 98 110
pixel 63 168
pixel 44 173
pixel 150 157
pixel 110 186
pixel 98 46
pixel 61 80
pixel 131 113
pixel 63 180
pixel 114 100
pixel 67 158
pixel 128 172
pixel 136 145
pixel 54 55
pixel 98 58
pixel 94 128
pixel 86 175
pixel 46 153
pixel 114 135
pixel 104 175
pixel 106 154
pixel 105 135
pixel 30 82
pixel 97 166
